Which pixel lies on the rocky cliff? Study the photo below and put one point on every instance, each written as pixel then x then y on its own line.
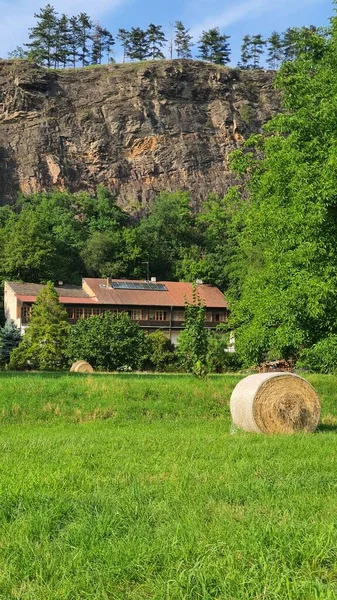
pixel 136 128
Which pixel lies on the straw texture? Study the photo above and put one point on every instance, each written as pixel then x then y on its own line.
pixel 81 366
pixel 274 403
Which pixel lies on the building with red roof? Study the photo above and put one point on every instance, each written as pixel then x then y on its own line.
pixel 153 304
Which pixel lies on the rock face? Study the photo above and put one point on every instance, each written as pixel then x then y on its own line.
pixel 136 128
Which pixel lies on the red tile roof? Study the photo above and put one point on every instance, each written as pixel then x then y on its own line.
pixel 176 295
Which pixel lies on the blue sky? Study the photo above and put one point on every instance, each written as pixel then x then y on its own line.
pixel 234 18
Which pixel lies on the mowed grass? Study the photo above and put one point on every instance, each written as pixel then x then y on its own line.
pixel 133 487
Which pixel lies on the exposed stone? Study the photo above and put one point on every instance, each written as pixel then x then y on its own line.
pixel 136 128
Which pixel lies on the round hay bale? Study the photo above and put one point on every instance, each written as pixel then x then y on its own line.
pixel 275 403
pixel 81 366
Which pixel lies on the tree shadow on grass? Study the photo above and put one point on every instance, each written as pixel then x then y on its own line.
pixel 326 427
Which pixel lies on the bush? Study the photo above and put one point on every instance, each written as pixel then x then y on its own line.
pixel 109 342
pixel 10 338
pixel 320 358
pixel 159 352
pixel 219 360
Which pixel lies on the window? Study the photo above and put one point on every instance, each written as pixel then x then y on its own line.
pixel 96 311
pixel 219 317
pixel 70 312
pixel 26 312
pixel 78 313
pixel 208 316
pixel 179 315
pixel 137 315
pixel 157 315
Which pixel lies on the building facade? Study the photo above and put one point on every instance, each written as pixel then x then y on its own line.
pixel 153 305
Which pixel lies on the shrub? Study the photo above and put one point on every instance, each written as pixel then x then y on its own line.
pixel 320 358
pixel 10 338
pixel 159 352
pixel 193 340
pixel 109 342
pixel 219 360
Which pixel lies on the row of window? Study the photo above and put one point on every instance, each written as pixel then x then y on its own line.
pixel 78 312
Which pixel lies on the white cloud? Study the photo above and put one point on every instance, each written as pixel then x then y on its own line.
pixel 249 8
pixel 18 15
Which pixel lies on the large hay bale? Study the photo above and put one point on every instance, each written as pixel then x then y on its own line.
pixel 81 366
pixel 275 403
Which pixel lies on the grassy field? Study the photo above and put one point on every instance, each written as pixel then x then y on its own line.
pixel 132 487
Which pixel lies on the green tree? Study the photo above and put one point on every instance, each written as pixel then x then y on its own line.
pixel 74 39
pixel 102 42
pixel 138 47
pixel 168 229
pixel 19 53
pixel 10 338
pixel 257 49
pixel 193 340
pixel 43 36
pixel 214 47
pixel 85 25
pixel 124 37
pixel 62 42
pixel 182 40
pixel 44 345
pixel 159 352
pixel 288 287
pixel 108 342
pixel 275 50
pixel 246 53
pixel 157 40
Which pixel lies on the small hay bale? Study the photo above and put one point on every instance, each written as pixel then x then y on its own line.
pixel 81 366
pixel 275 403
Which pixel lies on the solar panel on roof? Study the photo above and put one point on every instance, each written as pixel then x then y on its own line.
pixel 138 285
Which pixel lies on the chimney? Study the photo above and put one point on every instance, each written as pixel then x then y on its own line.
pixel 199 282
pixel 153 279
pixel 108 282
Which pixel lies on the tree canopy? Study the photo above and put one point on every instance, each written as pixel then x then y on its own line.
pixel 287 290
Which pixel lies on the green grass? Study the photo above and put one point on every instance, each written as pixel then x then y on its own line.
pixel 134 487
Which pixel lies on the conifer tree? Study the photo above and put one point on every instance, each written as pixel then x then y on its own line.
pixel 246 53
pixel 257 48
pixel 85 25
pixel 275 50
pixel 124 37
pixel 214 47
pixel 289 44
pixel 43 36
pixel 44 345
pixel 75 39
pixel 182 41
pixel 193 340
pixel 157 40
pixel 62 42
pixel 139 45
pixel 10 338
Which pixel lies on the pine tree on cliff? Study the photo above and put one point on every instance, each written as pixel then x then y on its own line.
pixel 157 40
pixel 182 41
pixel 275 50
pixel 214 47
pixel 257 48
pixel 124 37
pixel 102 42
pixel 85 24
pixel 139 45
pixel 62 42
pixel 75 39
pixel 43 36
pixel 246 53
